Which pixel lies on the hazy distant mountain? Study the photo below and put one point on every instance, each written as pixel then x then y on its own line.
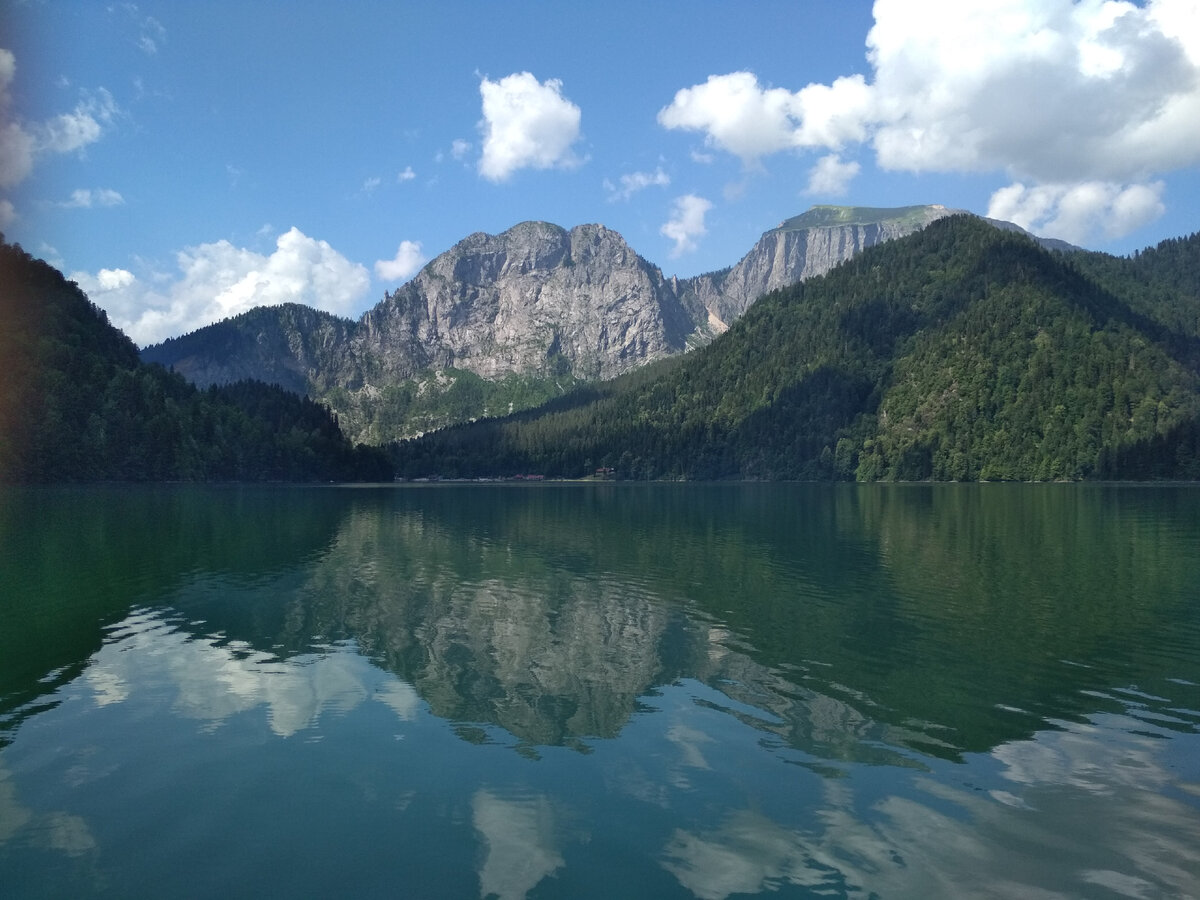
pixel 503 322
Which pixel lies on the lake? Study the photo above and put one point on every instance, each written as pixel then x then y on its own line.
pixel 604 690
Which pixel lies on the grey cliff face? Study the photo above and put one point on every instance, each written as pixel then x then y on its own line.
pixel 783 257
pixel 523 301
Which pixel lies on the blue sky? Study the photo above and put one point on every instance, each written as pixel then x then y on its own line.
pixel 186 161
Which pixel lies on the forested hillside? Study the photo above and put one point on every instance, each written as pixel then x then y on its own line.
pixel 76 404
pixel 962 352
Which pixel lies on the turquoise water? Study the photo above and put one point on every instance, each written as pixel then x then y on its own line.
pixel 600 691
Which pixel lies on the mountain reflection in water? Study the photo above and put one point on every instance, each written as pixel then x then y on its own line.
pixel 711 690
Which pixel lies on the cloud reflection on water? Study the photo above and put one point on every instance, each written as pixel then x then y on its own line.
pixel 210 678
pixel 1100 796
pixel 519 834
pixel 1100 793
pixel 57 830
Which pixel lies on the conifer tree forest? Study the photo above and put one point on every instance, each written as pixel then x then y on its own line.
pixel 76 404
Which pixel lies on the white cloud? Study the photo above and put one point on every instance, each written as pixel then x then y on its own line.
pixel 686 224
pixel 407 175
pixel 21 143
pixel 8 213
pixel 368 186
pixel 86 198
pixel 459 148
pixel 743 118
pixel 526 124
pixel 114 279
pixel 68 132
pixel 16 154
pixel 1077 212
pixel 1047 90
pixel 219 280
pixel 16 144
pixel 736 115
pixel 831 176
pixel 406 263
pixel 1054 93
pixel 636 181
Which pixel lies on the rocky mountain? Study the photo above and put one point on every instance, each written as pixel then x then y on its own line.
pixel 536 299
pixel 503 322
pixel 961 352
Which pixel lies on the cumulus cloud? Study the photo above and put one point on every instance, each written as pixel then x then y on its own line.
pixel 1064 96
pixel 742 117
pixel 21 143
pixel 635 181
pixel 831 176
pixel 1073 212
pixel 8 213
pixel 86 198
pixel 1044 90
pixel 407 175
pixel 526 124
pixel 686 224
pixel 407 261
pixel 218 280
pixel 459 148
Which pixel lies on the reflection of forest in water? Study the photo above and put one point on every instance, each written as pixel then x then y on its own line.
pixel 844 620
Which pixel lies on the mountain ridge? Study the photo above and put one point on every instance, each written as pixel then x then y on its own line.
pixel 958 353
pixel 537 303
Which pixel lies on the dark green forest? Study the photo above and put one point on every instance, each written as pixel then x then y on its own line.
pixel 962 352
pixel 76 404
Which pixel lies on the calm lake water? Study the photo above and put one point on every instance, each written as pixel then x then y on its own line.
pixel 600 691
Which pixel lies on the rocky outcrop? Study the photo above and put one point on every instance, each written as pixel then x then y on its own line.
pixel 800 248
pixel 536 299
